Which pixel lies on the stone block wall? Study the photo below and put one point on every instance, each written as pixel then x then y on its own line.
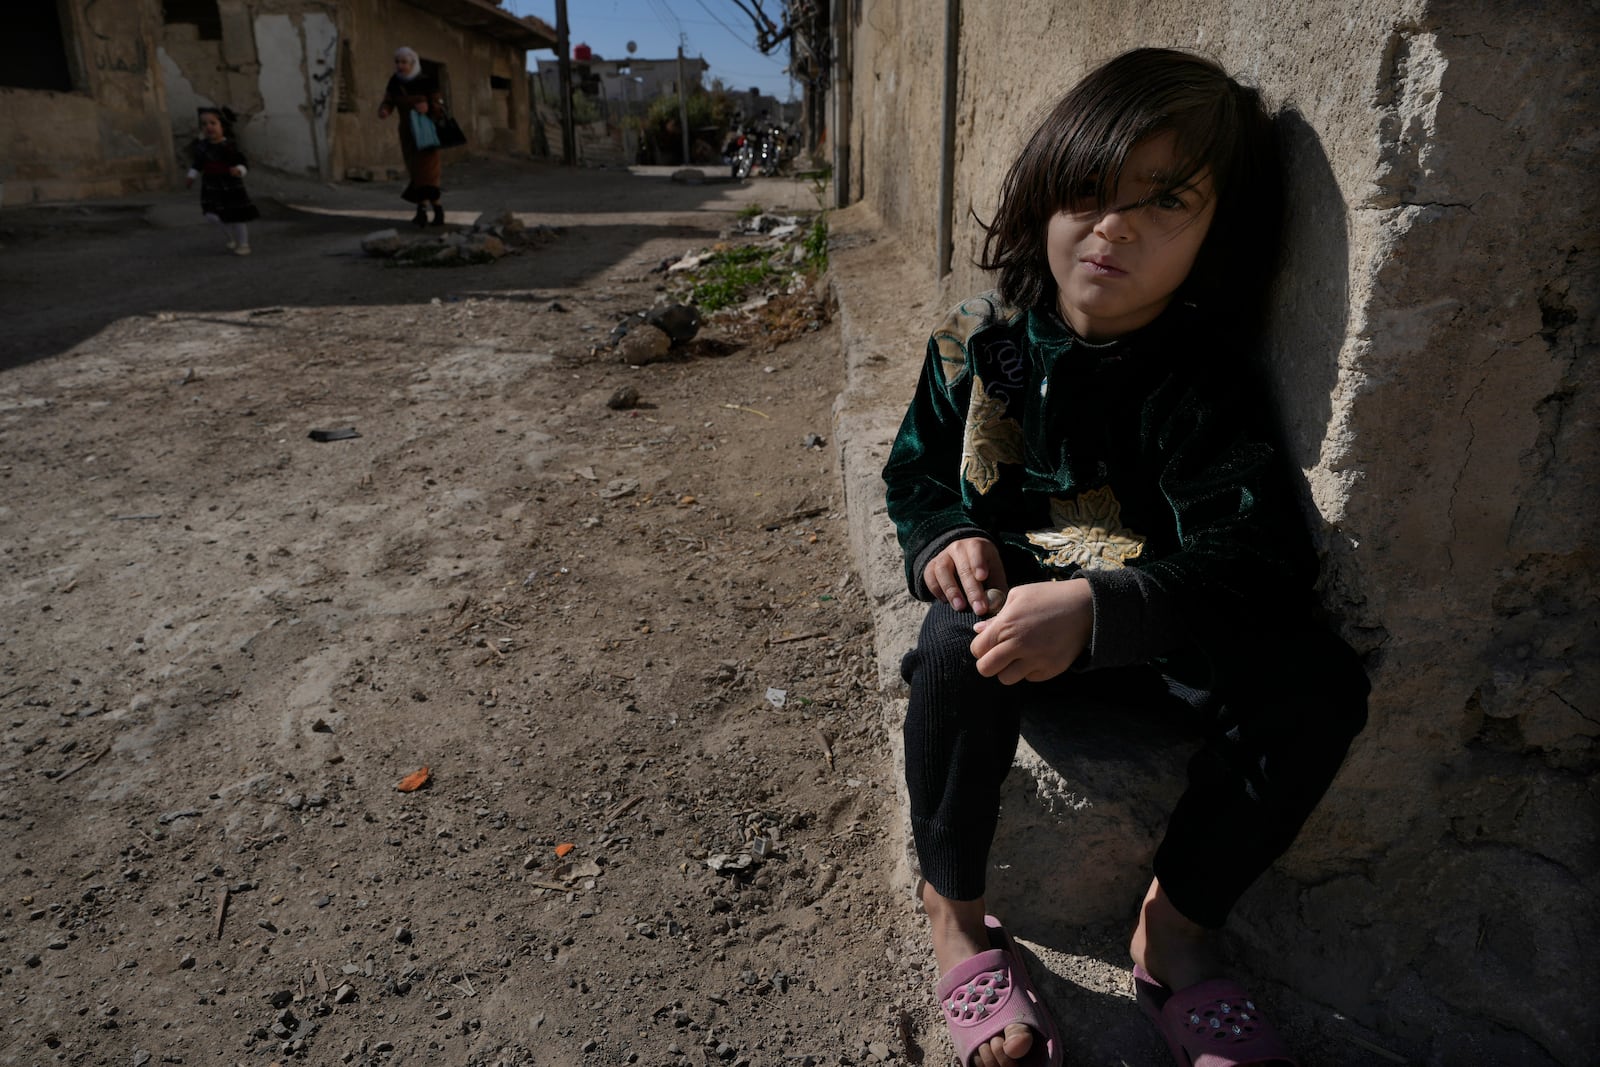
pixel 1431 358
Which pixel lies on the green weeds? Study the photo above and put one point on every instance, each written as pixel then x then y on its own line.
pixel 815 244
pixel 728 279
pixel 732 277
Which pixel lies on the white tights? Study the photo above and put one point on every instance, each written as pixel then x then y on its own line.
pixel 236 231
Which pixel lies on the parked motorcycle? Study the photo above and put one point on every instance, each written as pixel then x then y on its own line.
pixel 741 154
pixel 764 148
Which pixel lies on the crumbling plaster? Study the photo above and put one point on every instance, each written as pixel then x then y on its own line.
pixel 210 73
pixel 1431 356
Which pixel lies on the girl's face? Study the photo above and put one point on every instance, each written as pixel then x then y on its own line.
pixel 1116 270
pixel 210 127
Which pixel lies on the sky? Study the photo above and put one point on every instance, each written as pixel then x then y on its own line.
pixel 715 30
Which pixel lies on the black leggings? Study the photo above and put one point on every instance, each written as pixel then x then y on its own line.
pixel 1276 733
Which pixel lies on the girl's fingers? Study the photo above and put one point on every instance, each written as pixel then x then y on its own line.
pixel 991 660
pixel 974 590
pixel 953 581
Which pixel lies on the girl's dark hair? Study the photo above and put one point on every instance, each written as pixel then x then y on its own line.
pixel 1219 125
pixel 224 115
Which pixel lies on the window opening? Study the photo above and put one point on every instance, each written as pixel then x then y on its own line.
pixel 347 77
pixel 33 48
pixel 441 77
pixel 202 14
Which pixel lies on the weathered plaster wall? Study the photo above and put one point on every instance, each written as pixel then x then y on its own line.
pixel 106 138
pixel 290 131
pixel 273 66
pixel 279 67
pixel 210 73
pixel 1432 356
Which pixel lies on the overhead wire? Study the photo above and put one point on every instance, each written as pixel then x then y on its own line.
pixel 668 20
pixel 731 31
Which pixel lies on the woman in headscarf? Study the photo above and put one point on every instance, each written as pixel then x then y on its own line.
pixel 411 90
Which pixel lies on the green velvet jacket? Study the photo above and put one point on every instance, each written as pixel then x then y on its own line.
pixel 1131 464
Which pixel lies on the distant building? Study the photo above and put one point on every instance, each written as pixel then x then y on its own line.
pixel 98 99
pixel 622 81
pixel 752 103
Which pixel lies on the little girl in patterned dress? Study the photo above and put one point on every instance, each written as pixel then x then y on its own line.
pixel 216 160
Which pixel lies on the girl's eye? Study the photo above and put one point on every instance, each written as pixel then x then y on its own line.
pixel 1085 194
pixel 1169 202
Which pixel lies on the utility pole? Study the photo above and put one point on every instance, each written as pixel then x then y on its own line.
pixel 683 106
pixel 569 136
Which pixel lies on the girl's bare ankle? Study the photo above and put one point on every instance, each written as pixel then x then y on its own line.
pixel 1176 951
pixel 956 927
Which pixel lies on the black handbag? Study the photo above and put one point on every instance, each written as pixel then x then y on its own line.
pixel 450 134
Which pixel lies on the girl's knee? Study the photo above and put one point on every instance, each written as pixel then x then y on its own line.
pixel 946 632
pixel 1340 682
pixel 1313 669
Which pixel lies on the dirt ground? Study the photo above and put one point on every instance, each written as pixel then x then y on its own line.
pixel 627 645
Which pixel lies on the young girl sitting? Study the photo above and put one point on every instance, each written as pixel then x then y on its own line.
pixel 1079 489
pixel 220 166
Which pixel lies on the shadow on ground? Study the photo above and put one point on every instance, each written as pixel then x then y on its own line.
pixel 70 270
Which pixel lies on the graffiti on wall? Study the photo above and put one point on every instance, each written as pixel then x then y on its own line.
pixel 296 85
pixel 322 78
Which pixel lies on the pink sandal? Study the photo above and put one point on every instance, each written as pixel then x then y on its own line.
pixel 983 995
pixel 1210 1024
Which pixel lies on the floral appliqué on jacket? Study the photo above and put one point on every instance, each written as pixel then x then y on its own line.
pixel 991 439
pixel 1088 533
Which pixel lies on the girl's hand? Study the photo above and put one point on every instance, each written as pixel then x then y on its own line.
pixel 960 574
pixel 384 110
pixel 1043 628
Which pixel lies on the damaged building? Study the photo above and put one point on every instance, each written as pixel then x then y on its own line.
pixel 98 99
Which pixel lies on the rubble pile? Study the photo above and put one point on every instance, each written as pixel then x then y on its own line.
pixel 491 236
pixel 762 292
pixel 802 302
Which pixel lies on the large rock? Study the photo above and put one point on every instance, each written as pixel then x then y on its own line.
pixel 643 344
pixel 678 321
pixel 503 223
pixel 383 243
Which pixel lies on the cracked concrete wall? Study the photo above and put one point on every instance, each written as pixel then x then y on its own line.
pixel 1432 360
pixel 105 138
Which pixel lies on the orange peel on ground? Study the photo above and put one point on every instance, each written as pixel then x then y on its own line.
pixel 412 782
